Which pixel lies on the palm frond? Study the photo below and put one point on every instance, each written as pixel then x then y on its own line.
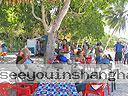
pixel 116 18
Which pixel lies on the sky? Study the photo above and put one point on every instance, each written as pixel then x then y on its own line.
pixel 117 34
pixel 121 34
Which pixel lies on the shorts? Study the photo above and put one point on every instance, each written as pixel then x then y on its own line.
pixel 118 56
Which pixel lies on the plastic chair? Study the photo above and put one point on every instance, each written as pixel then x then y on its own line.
pixel 22 90
pixel 3 89
pixel 99 91
pixel 31 86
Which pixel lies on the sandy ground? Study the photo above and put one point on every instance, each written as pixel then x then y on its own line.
pixel 122 85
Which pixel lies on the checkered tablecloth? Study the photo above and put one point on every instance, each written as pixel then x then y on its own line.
pixel 56 89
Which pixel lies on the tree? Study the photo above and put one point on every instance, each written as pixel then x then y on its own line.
pixel 0 1
pixel 52 28
pixel 82 18
pixel 116 17
pixel 16 26
pixel 83 26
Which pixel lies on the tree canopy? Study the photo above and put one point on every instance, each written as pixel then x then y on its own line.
pixel 84 20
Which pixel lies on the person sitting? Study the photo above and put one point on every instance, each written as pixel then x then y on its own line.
pixel 80 58
pixel 24 57
pixel 60 57
pixel 105 60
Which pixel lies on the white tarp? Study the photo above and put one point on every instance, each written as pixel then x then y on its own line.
pixel 31 43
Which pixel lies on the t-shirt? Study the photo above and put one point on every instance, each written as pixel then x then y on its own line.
pixel 118 47
pixel 125 49
pixel 98 51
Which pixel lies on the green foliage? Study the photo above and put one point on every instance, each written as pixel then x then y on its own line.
pixel 84 20
pixel 88 25
pixel 116 15
pixel 18 24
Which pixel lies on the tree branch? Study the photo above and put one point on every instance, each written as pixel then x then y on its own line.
pixel 43 16
pixel 75 13
pixel 33 12
pixel 56 24
pixel 0 1
pixel 82 5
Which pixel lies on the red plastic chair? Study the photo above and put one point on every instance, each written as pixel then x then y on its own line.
pixel 99 91
pixel 3 89
pixel 31 86
pixel 26 91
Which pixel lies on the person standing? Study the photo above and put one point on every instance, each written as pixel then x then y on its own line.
pixel 38 48
pixel 118 52
pixel 56 47
pixel 66 49
pixel 60 44
pixel 86 47
pixel 98 52
pixel 126 53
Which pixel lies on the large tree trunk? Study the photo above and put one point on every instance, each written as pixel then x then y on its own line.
pixel 50 47
pixel 52 32
pixel 52 28
pixel 0 1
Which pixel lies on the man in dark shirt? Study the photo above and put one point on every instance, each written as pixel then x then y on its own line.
pixel 118 52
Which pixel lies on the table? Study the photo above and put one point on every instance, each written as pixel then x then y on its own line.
pixel 56 89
